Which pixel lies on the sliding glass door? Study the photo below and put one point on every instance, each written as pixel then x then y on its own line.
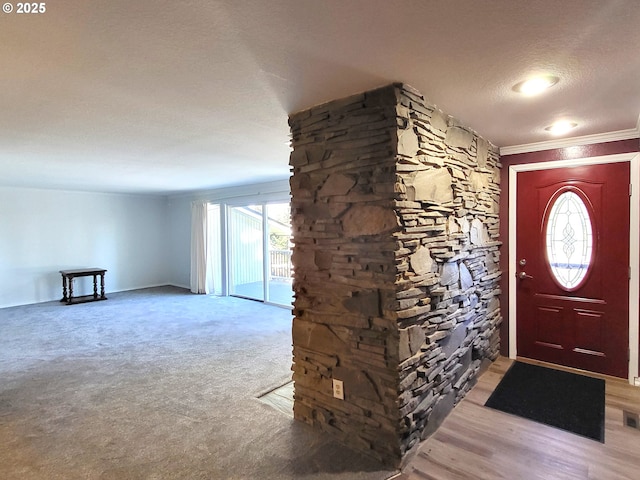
pixel 278 266
pixel 249 251
pixel 246 252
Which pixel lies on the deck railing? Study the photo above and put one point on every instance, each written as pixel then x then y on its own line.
pixel 280 262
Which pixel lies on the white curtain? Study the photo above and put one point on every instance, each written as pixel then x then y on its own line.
pixel 214 252
pixel 199 247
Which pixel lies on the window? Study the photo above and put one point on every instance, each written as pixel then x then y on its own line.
pixel 569 239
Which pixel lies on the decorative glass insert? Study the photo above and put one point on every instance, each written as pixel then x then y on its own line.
pixel 569 240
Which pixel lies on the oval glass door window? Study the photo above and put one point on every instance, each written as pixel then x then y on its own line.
pixel 569 240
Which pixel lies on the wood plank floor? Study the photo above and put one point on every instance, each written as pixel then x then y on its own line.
pixel 280 398
pixel 476 442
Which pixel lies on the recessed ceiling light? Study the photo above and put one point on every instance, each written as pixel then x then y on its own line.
pixel 561 127
pixel 535 85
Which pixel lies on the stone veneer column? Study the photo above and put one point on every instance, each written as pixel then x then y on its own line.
pixel 395 220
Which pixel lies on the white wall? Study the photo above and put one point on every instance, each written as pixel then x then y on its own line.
pixel 179 220
pixel 179 241
pixel 44 231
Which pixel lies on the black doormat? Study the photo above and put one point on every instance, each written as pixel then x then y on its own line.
pixel 560 399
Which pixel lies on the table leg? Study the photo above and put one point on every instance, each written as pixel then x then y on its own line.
pixel 64 289
pixel 102 285
pixel 95 286
pixel 70 290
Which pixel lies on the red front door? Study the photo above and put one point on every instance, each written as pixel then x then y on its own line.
pixel 572 264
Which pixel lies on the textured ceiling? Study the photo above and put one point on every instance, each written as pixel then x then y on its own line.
pixel 161 96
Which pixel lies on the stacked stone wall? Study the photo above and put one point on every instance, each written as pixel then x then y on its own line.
pixel 394 210
pixel 447 261
pixel 344 270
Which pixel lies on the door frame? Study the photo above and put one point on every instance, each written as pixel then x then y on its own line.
pixel 634 244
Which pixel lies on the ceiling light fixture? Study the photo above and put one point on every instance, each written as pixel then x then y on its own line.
pixel 535 85
pixel 561 127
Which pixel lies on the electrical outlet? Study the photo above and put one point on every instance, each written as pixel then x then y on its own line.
pixel 636 381
pixel 338 389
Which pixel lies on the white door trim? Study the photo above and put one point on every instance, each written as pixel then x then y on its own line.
pixel 634 244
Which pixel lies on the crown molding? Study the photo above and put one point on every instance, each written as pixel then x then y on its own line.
pixel 573 141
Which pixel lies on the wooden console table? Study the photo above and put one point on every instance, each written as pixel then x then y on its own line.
pixel 83 272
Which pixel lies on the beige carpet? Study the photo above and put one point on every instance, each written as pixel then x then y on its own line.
pixel 155 384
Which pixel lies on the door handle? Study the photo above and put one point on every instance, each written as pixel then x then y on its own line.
pixel 523 275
